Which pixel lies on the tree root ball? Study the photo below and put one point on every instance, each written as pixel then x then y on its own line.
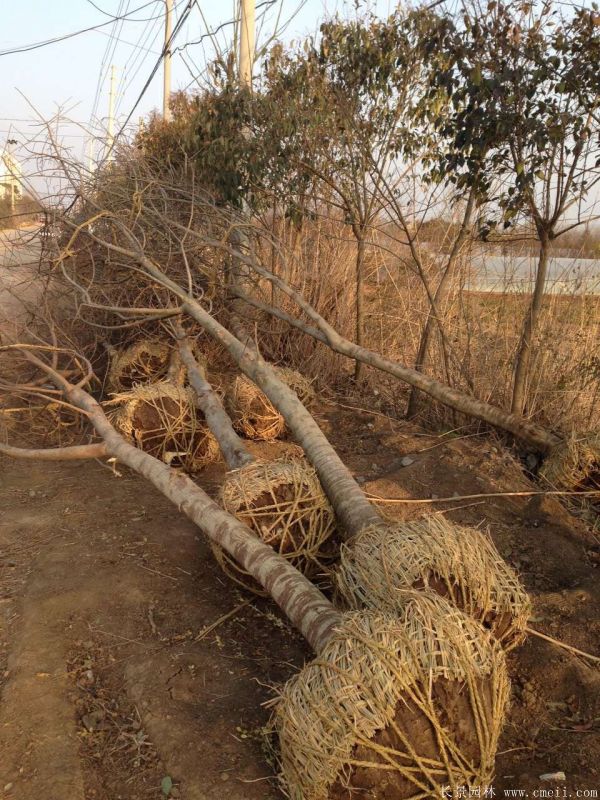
pixel 161 419
pixel 145 361
pixel 252 413
pixel 574 464
pixel 459 563
pixel 283 503
pixel 394 707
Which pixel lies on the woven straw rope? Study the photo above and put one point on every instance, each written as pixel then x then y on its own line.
pixel 144 361
pixel 383 560
pixel 181 437
pixel 572 462
pixel 352 691
pixel 296 522
pixel 252 413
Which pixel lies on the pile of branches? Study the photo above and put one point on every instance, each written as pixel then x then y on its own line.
pixel 164 355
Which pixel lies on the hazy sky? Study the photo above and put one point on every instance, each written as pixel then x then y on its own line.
pixel 66 74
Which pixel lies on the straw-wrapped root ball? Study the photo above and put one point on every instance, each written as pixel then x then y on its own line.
pixel 252 413
pixel 283 503
pixel 459 563
pixel 145 361
pixel 394 707
pixel 573 464
pixel 161 419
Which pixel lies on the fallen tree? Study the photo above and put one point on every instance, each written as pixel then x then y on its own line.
pixel 281 500
pixel 370 711
pixel 569 460
pixel 478 581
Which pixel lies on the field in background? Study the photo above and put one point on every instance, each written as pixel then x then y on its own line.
pixel 481 328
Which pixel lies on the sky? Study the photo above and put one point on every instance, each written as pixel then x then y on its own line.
pixel 72 77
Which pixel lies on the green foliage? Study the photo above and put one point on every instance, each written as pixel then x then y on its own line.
pixel 342 108
pixel 214 130
pixel 519 87
pixel 502 102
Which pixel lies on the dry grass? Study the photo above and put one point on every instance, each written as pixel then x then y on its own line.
pixel 482 329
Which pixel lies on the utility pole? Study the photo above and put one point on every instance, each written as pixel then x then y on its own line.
pixel 238 238
pixel 111 110
pixel 247 36
pixel 167 60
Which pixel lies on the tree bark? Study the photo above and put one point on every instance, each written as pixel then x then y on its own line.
pixel 345 495
pixel 434 317
pixel 526 431
pixel 73 453
pixel 360 300
pixel 234 451
pixel 306 607
pixel 523 357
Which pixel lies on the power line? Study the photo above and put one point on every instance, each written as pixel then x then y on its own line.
pixel 138 58
pixel 220 27
pixel 135 45
pixel 166 47
pixel 104 66
pixel 36 45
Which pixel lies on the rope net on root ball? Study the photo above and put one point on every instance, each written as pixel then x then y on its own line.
pixel 161 419
pixel 283 503
pixel 252 413
pixel 459 563
pixel 394 707
pixel 573 464
pixel 145 361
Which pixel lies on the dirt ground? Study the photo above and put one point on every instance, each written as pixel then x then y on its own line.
pixel 131 668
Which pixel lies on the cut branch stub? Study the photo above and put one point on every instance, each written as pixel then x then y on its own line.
pixel 145 361
pixel 461 564
pixel 395 707
pixel 162 420
pixel 283 503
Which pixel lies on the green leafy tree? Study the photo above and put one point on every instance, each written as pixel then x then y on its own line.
pixel 519 87
pixel 341 105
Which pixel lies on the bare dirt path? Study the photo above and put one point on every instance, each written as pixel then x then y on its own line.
pixel 112 679
pixel 19 280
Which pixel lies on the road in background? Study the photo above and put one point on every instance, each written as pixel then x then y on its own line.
pixel 20 284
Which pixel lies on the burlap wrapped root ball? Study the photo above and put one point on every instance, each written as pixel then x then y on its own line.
pixel 459 563
pixel 573 464
pixel 252 413
pixel 145 361
pixel 162 419
pixel 394 707
pixel 283 503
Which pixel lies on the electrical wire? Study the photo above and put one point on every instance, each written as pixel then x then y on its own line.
pixel 103 72
pixel 166 49
pixel 138 58
pixel 36 45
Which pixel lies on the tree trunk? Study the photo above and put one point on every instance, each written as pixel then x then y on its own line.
pixel 523 357
pixel 233 448
pixel 306 607
pixel 528 432
pixel 434 317
pixel 360 314
pixel 345 495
